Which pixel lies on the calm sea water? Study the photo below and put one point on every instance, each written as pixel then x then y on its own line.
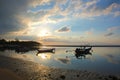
pixel 103 59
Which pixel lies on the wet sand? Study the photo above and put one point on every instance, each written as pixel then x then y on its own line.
pixel 17 69
pixel 6 74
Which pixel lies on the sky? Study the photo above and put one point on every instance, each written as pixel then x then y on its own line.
pixel 61 21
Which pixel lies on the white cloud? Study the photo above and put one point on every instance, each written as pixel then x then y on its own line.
pixel 35 3
pixel 79 8
pixel 18 18
pixel 14 16
pixel 89 9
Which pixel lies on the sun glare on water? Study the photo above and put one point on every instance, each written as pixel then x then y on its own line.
pixel 44 56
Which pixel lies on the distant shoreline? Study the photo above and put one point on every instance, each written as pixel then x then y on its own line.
pixel 82 45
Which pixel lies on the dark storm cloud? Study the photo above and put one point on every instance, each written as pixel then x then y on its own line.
pixel 9 12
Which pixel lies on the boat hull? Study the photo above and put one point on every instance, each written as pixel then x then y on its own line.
pixel 46 50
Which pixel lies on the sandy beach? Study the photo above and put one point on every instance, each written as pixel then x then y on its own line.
pixel 17 69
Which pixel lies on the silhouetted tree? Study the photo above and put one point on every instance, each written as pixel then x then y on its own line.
pixel 2 41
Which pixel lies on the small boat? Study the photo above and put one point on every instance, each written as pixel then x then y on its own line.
pixel 83 50
pixel 46 50
pixel 82 55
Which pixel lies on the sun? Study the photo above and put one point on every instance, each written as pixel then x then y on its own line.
pixel 43 33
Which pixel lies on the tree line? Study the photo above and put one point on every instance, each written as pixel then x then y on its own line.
pixel 16 42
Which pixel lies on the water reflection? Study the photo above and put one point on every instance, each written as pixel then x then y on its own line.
pixel 44 56
pixel 18 49
pixel 43 53
pixel 82 55
pixel 112 59
pixel 64 60
pixel 111 54
pixel 106 60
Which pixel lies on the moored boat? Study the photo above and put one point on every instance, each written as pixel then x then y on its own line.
pixel 83 50
pixel 46 50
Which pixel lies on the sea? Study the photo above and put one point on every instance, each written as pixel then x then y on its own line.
pixel 104 60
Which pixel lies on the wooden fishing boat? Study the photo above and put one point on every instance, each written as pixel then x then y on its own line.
pixel 83 50
pixel 79 53
pixel 46 50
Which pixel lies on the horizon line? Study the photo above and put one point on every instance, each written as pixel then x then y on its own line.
pixel 82 45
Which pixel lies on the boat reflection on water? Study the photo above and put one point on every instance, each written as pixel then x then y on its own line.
pixel 43 53
pixel 82 55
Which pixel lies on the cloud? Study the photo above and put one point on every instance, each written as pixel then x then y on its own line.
pixel 35 16
pixel 14 16
pixel 109 34
pixel 55 39
pixel 17 15
pixel 64 29
pixel 66 40
pixel 8 15
pixel 21 17
pixel 35 3
pixel 113 28
pixel 117 13
pixel 92 8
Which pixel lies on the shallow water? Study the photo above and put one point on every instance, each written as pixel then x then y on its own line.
pixel 103 59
